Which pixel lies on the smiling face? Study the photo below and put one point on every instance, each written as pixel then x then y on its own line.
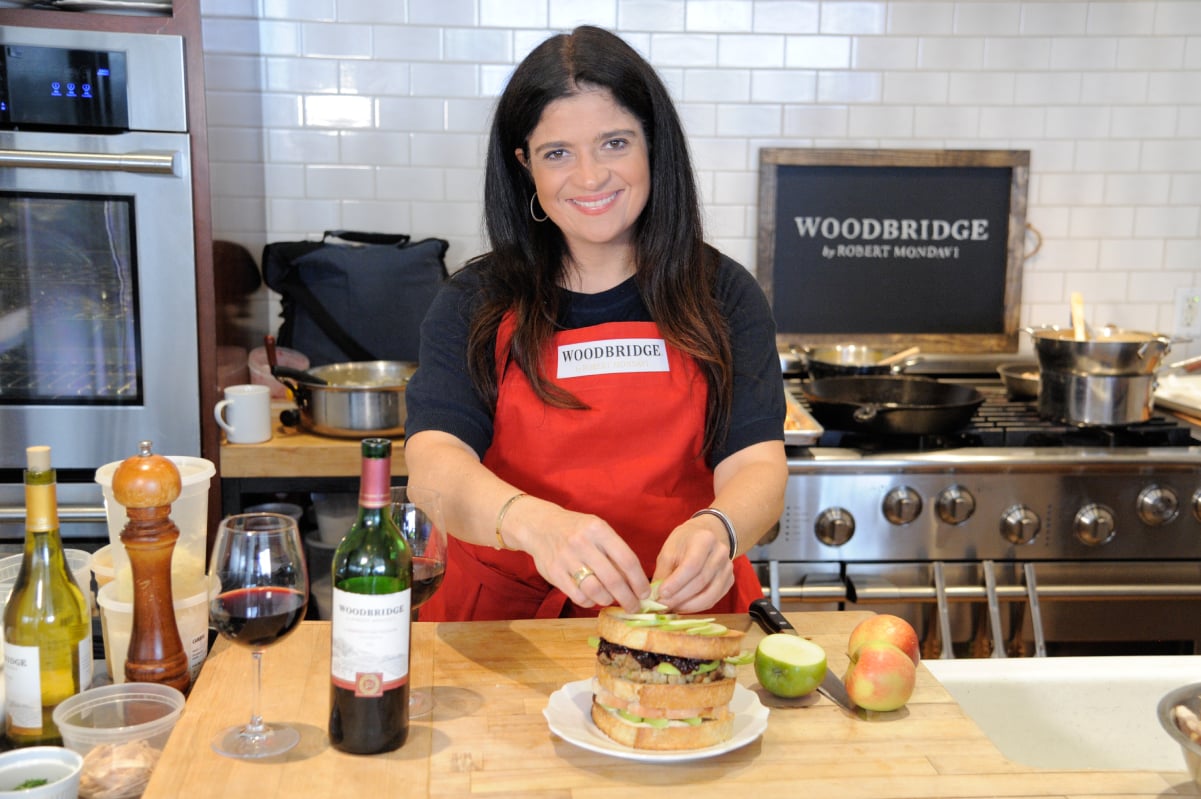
pixel 590 163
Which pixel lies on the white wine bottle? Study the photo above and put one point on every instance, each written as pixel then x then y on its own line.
pixel 372 606
pixel 47 622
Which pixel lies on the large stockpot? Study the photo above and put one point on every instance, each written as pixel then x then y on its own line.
pixel 840 360
pixel 1108 351
pixel 891 404
pixel 1095 400
pixel 357 400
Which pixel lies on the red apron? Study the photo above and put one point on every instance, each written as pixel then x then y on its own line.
pixel 633 458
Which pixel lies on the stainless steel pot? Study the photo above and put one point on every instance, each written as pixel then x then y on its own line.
pixel 841 360
pixel 792 360
pixel 1108 351
pixel 357 400
pixel 1095 400
pixel 1021 380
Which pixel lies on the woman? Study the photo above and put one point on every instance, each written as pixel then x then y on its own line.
pixel 599 399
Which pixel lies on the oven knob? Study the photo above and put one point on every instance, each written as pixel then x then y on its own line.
pixel 955 505
pixel 835 526
pixel 1157 505
pixel 1094 525
pixel 1197 505
pixel 902 505
pixel 1020 525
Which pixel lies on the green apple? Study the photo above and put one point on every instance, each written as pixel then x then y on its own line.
pixel 788 665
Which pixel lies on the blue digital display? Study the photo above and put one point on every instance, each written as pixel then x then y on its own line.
pixel 60 88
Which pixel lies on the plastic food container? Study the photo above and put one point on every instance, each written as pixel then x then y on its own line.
pixel 335 514
pixel 189 512
pixel 78 561
pixel 260 370
pixel 191 619
pixel 58 765
pixel 120 730
pixel 320 554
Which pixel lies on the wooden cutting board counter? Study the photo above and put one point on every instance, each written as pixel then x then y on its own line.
pixel 293 452
pixel 487 735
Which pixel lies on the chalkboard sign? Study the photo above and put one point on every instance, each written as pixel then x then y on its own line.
pixel 894 247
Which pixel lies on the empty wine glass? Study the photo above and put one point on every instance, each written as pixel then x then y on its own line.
pixel 259 561
pixel 418 514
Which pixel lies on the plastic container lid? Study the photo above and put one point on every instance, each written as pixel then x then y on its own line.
pixel 107 715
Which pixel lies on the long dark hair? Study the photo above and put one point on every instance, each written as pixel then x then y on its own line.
pixel 675 270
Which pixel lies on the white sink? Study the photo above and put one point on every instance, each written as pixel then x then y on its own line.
pixel 1072 712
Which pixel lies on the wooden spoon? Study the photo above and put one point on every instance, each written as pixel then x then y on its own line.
pixel 898 357
pixel 1078 326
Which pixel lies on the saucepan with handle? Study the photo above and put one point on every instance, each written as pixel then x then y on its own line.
pixel 350 400
pixel 840 360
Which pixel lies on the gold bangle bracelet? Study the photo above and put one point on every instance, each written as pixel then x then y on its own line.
pixel 500 518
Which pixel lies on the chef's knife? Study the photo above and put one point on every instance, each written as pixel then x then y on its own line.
pixel 769 617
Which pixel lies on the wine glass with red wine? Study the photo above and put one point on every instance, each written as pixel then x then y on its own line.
pixel 418 514
pixel 259 561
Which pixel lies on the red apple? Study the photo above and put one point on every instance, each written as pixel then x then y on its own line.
pixel 880 676
pixel 885 627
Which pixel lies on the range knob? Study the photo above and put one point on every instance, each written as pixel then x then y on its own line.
pixel 1020 525
pixel 902 505
pixel 955 505
pixel 1157 505
pixel 834 526
pixel 1197 505
pixel 1094 525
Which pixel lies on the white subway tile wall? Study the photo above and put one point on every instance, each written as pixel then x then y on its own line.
pixel 328 114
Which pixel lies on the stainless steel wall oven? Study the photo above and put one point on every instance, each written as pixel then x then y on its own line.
pixel 98 342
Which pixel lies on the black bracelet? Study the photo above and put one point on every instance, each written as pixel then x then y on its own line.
pixel 725 520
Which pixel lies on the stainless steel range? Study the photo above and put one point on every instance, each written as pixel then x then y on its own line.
pixel 1013 535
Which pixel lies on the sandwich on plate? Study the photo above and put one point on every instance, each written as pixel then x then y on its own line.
pixel 663 681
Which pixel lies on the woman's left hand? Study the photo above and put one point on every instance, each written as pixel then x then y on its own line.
pixel 694 566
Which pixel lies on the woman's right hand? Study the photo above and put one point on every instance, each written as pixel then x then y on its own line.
pixel 578 553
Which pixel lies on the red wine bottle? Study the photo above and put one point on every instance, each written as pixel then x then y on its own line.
pixel 372 607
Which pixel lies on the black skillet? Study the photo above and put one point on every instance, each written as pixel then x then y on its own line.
pixel 891 404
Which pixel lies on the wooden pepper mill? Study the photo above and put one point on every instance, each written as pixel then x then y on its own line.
pixel 146 484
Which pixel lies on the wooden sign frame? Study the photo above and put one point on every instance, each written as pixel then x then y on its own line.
pixel 995 264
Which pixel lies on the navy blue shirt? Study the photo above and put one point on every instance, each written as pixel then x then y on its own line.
pixel 440 395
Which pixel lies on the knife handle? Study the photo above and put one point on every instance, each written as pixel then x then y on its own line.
pixel 769 617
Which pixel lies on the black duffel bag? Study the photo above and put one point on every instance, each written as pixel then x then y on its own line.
pixel 354 296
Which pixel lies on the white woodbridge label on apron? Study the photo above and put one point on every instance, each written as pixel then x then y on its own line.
pixel 613 356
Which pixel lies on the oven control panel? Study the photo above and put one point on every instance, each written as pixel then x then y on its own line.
pixel 62 88
pixel 1005 504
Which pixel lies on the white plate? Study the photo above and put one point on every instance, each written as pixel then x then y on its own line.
pixel 569 714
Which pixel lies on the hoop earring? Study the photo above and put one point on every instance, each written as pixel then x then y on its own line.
pixel 545 216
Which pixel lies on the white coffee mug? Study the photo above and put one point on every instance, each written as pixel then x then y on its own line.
pixel 245 414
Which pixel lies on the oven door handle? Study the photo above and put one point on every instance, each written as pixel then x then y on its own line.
pixel 71 514
pixel 159 163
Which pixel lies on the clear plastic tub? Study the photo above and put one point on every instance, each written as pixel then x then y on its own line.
pixel 78 561
pixel 121 731
pixel 191 619
pixel 335 514
pixel 189 512
pixel 320 555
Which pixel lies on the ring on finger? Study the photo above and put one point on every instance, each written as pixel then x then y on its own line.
pixel 581 574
